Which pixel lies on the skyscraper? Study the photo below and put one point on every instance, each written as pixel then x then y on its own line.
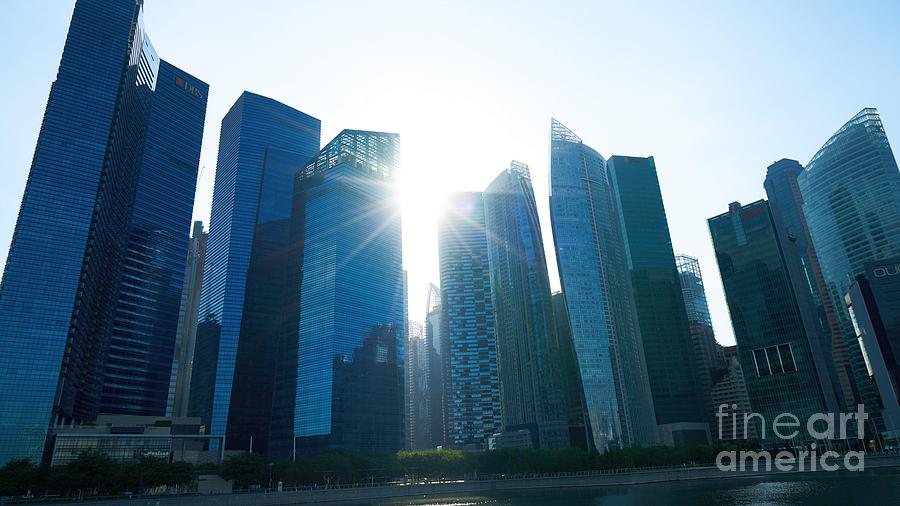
pixel 776 360
pixel 708 357
pixel 665 334
pixel 873 303
pixel 471 380
pixel 527 346
pixel 730 389
pixel 351 340
pixel 434 337
pixel 593 271
pixel 573 395
pixel 417 431
pixel 185 338
pixel 148 300
pixel 851 190
pixel 816 309
pixel 262 145
pixel 68 313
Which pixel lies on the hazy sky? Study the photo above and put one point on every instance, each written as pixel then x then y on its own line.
pixel 715 91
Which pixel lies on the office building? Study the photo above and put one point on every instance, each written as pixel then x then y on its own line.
pixel 185 338
pixel 262 145
pixel 850 190
pixel 730 391
pixel 816 309
pixel 471 380
pixel 351 341
pixel 417 429
pixel 873 304
pixel 708 356
pixel 573 395
pixel 775 356
pixel 665 334
pixel 89 297
pixel 593 271
pixel 435 343
pixel 527 347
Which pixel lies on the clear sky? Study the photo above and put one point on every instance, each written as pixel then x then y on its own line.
pixel 715 91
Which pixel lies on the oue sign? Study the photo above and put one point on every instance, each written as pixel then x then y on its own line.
pixel 890 270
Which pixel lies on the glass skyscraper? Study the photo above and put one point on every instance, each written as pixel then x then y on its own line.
pixel 434 337
pixel 93 262
pixel 665 334
pixel 708 356
pixel 593 271
pixel 262 146
pixel 527 346
pixel 851 202
pixel 471 380
pixel 775 355
pixel 816 309
pixel 351 331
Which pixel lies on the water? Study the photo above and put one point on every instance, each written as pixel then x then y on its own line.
pixel 874 487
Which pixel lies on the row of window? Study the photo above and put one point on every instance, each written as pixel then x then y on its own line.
pixel 774 360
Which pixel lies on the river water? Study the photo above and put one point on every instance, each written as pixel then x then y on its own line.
pixel 874 487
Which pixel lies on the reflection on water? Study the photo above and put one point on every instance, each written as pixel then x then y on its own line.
pixel 874 487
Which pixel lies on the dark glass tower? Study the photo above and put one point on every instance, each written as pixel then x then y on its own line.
pixel 786 205
pixel 68 312
pixel 527 346
pixel 262 146
pixel 573 395
pixel 665 333
pixel 471 380
pixel 873 303
pixel 142 344
pixel 593 271
pixel 351 332
pixel 775 356
pixel 850 190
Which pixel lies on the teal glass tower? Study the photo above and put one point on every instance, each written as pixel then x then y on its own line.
pixel 473 411
pixel 851 191
pixel 527 346
pixel 350 338
pixel 593 271
pixel 89 297
pixel 778 365
pixel 665 333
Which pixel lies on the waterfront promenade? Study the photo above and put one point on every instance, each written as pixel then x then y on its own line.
pixel 357 494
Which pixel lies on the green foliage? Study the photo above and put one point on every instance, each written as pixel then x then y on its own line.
pixel 435 463
pixel 245 469
pixel 17 477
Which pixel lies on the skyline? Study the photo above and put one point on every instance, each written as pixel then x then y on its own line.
pixel 779 98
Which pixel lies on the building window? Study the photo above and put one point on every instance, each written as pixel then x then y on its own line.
pixel 774 360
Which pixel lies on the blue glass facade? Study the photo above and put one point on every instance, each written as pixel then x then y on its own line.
pixel 593 271
pixel 351 333
pixel 67 273
pixel 142 342
pixel 665 333
pixel 527 346
pixel 775 355
pixel 851 190
pixel 471 380
pixel 262 146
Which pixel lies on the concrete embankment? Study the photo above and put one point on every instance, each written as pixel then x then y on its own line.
pixel 362 495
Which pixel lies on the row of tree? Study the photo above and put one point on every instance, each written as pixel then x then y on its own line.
pixel 339 467
pixel 92 474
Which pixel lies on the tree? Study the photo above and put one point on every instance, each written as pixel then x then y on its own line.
pixel 90 472
pixel 17 477
pixel 245 469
